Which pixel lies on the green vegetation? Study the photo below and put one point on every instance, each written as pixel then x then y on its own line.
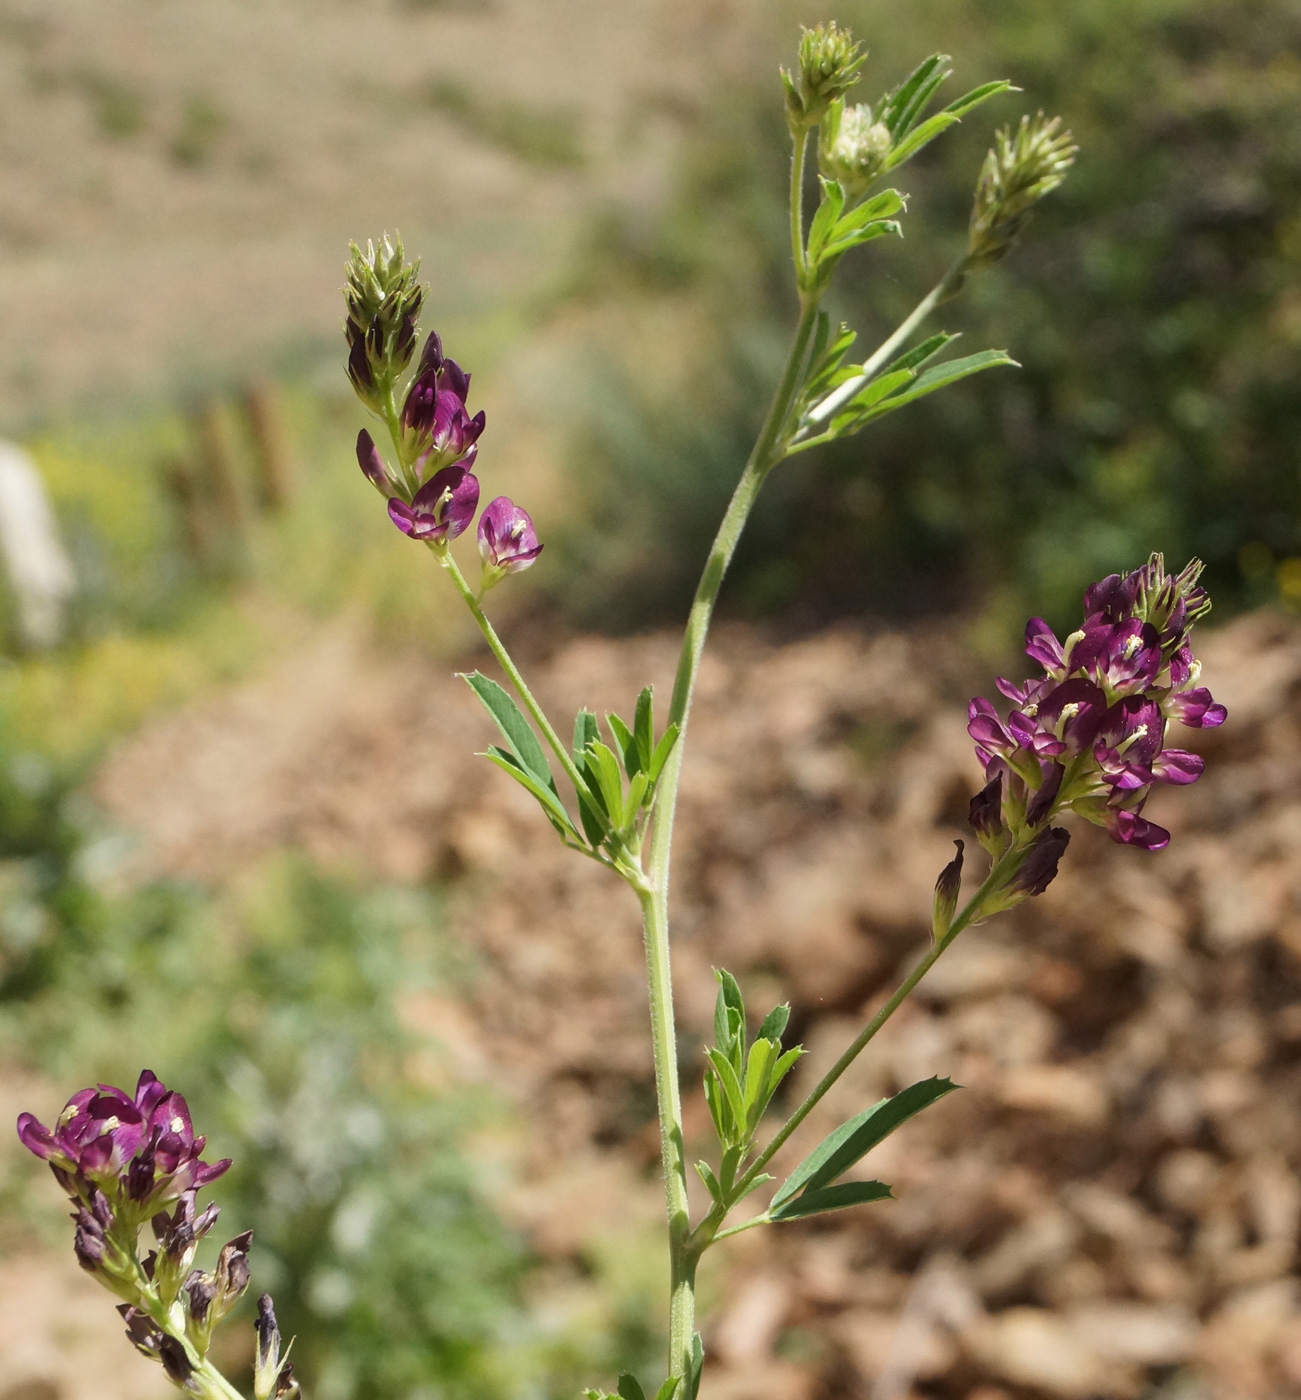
pixel 1153 304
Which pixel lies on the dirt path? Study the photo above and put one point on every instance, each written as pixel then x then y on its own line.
pixel 1113 1197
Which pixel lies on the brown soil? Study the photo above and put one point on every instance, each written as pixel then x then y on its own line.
pixel 1110 1205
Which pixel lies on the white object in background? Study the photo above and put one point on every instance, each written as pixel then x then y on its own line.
pixel 39 569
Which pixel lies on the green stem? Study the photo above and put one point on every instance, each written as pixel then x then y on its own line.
pixel 972 911
pixel 799 144
pixel 941 291
pixel 682 1257
pixel 683 1253
pixel 444 556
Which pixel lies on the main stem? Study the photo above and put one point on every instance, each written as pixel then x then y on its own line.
pixel 683 1254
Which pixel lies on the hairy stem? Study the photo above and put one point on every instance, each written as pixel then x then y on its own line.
pixel 683 1253
pixel 799 144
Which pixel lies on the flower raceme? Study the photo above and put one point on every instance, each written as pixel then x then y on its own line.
pixel 1089 736
pixel 126 1159
pixel 142 1151
pixel 431 489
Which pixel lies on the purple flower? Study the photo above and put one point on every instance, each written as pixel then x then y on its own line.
pixel 507 540
pixel 108 1145
pixel 1090 734
pixel 434 417
pixel 441 509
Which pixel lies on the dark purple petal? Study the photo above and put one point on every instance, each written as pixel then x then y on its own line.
pixel 371 463
pixel 150 1091
pixel 1178 766
pixel 1041 804
pixel 1041 645
pixel 1112 597
pixel 431 357
pixel 453 379
pixel 402 516
pixel 1040 865
pixel 1195 708
pixel 986 810
pixel 1075 710
pixel 507 539
pixel 1129 829
pixel 37 1138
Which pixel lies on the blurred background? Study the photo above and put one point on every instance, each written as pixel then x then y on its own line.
pixel 243 836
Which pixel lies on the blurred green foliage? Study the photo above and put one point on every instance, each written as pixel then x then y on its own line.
pixel 274 1008
pixel 1154 305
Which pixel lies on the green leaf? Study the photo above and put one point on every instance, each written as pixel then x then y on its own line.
pixel 758 1068
pixel 922 136
pixel 706 1174
pixel 828 215
pixel 761 1180
pixel 880 206
pixel 643 726
pixel 727 1077
pixel 697 1366
pixel 927 350
pixel 637 790
pixel 880 388
pixel 669 1389
pixel 847 1193
pixel 603 766
pixel 837 1152
pixel 520 738
pixel 900 108
pixel 774 1023
pixel 662 751
pixel 729 1016
pixel 866 234
pixel 551 803
pixel 940 122
pixel 783 1066
pixel 630 1387
pixel 937 377
pixel 589 806
pixel 585 731
pixel 627 744
pixel 977 95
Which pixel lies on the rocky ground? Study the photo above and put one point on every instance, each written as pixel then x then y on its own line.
pixel 1109 1207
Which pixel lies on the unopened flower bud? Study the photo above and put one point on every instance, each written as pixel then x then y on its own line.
pixel 1040 806
pixel 947 888
pixel 372 464
pixel 1016 175
pixel 986 814
pixel 232 1274
pixel 266 1362
pixel 829 61
pixel 1040 865
pixel 507 540
pixel 852 148
pixel 176 1364
pixel 383 300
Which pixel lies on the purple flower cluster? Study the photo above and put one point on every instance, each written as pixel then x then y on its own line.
pixel 123 1159
pixel 1089 736
pixel 108 1149
pixel 439 440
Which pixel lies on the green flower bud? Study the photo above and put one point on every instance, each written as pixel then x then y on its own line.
pixel 947 889
pixel 852 148
pixel 829 61
pixel 383 300
pixel 1016 175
